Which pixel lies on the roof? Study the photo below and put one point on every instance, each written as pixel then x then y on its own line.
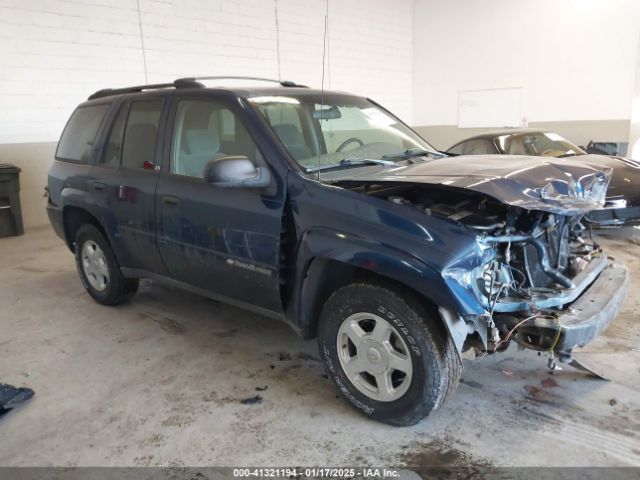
pixel 277 91
pixel 196 83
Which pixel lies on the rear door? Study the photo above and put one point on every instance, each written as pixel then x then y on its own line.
pixel 224 240
pixel 126 178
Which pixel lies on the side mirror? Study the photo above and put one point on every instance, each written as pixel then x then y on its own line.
pixel 236 172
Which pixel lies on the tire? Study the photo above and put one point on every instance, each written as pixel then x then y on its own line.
pixel 99 270
pixel 417 336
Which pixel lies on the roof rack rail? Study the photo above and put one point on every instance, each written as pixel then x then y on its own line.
pixel 180 83
pixel 284 83
pixel 187 82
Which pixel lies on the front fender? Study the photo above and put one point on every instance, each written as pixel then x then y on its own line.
pixel 321 244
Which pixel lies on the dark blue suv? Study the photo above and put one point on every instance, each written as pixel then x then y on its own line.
pixel 325 210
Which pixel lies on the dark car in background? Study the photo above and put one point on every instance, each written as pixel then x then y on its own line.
pixel 623 197
pixel 614 149
pixel 324 210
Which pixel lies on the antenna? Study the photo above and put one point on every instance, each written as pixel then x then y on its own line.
pixel 324 51
pixel 275 6
pixel 144 55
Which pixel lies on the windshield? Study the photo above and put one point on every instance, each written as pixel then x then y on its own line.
pixel 339 131
pixel 545 144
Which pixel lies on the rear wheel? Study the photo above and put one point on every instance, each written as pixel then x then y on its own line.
pixel 99 270
pixel 387 354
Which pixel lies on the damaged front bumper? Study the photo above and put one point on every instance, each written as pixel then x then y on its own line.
pixel 557 322
pixel 555 299
pixel 579 322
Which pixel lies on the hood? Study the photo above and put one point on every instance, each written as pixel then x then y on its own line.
pixel 532 183
pixel 624 179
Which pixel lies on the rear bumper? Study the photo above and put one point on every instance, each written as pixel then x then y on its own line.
pixel 55 218
pixel 580 322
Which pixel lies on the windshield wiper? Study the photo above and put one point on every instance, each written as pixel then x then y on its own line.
pixel 360 161
pixel 415 152
pixel 348 162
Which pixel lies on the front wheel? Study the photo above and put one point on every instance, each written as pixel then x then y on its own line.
pixel 99 269
pixel 389 357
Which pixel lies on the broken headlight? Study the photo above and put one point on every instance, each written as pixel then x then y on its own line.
pixel 476 275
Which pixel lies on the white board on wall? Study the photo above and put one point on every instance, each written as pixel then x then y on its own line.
pixel 496 107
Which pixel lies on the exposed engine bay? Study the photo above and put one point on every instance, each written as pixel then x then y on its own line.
pixel 539 263
pixel 535 251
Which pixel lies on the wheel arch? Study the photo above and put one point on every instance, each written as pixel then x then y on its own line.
pixel 322 270
pixel 73 217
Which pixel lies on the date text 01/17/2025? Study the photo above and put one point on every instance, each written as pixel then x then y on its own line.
pixel 316 472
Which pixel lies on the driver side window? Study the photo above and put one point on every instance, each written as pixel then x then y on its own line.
pixel 205 131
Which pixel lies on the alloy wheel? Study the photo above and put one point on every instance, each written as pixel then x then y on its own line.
pixel 374 357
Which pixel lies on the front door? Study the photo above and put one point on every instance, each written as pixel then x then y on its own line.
pixel 224 240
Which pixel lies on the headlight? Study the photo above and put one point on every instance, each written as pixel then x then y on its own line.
pixel 496 276
pixel 485 280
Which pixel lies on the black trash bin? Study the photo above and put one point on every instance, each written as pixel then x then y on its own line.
pixel 10 211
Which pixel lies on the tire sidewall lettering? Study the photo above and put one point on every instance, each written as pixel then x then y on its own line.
pixel 393 318
pixel 342 387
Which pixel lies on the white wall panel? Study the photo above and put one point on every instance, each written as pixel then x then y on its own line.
pixel 575 59
pixel 54 53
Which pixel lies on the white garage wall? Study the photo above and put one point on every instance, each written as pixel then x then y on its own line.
pixel 54 53
pixel 634 129
pixel 574 59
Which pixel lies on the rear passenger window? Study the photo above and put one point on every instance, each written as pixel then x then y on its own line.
pixel 139 146
pixel 113 147
pixel 77 139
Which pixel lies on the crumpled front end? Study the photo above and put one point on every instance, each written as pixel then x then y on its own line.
pixel 535 276
pixel 543 283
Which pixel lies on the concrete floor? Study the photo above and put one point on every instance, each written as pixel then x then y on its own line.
pixel 158 382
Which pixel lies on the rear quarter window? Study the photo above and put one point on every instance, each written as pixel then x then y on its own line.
pixel 78 136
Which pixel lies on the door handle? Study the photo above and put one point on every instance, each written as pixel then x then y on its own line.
pixel 171 201
pixel 99 187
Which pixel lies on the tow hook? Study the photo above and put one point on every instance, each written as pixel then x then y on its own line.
pixel 552 364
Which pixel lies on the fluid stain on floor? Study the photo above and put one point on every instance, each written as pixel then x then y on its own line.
pixel 441 453
pixel 167 324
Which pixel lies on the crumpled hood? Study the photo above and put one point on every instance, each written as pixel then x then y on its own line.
pixel 624 179
pixel 533 183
